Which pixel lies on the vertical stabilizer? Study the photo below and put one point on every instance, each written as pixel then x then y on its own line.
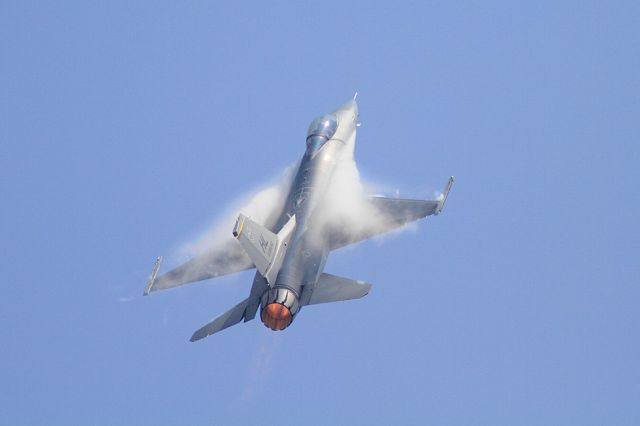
pixel 265 248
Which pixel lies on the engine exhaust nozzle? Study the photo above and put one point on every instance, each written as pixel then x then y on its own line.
pixel 279 306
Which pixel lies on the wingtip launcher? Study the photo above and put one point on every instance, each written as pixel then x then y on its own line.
pixel 152 277
pixel 443 197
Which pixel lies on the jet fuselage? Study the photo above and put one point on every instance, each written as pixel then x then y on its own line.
pixel 329 138
pixel 325 209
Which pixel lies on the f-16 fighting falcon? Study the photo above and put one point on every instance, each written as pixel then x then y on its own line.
pixel 289 254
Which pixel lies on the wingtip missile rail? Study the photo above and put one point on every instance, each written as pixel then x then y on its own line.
pixel 443 197
pixel 152 277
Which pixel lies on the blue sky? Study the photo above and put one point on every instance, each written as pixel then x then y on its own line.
pixel 127 128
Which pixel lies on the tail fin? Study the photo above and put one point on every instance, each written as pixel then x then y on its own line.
pixel 265 248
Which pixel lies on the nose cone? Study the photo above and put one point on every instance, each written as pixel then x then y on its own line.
pixel 351 106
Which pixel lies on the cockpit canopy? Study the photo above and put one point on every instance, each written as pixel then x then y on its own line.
pixel 320 131
pixel 324 126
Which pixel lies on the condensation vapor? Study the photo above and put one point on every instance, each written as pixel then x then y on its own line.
pixel 344 210
pixel 264 207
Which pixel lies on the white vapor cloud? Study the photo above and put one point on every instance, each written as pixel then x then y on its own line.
pixel 264 207
pixel 343 208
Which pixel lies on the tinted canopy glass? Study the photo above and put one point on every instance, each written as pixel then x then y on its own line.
pixel 320 131
pixel 324 126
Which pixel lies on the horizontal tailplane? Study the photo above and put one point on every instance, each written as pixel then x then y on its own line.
pixel 332 288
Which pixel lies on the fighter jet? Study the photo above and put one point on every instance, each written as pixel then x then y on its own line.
pixel 290 253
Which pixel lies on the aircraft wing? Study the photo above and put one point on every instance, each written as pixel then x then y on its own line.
pixel 387 214
pixel 225 257
pixel 228 258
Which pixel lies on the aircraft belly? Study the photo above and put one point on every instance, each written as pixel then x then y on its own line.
pixel 290 249
pixel 303 264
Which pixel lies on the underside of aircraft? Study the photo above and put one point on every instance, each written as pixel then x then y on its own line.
pixel 290 251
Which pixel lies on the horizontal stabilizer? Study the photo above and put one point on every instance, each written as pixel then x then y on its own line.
pixel 229 318
pixel 332 288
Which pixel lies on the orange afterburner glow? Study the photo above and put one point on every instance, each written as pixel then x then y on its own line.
pixel 276 316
